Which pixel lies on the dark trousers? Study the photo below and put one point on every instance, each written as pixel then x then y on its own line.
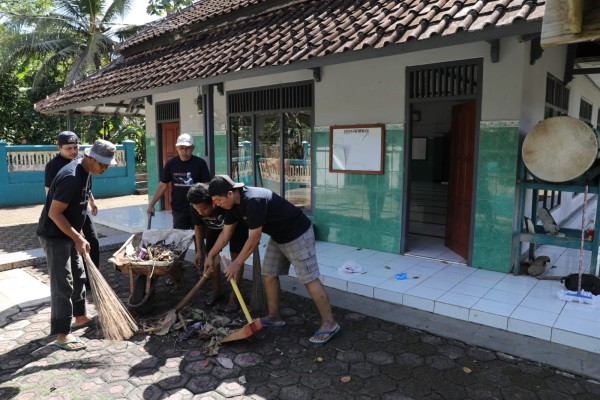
pixel 182 219
pixel 67 283
pixel 89 231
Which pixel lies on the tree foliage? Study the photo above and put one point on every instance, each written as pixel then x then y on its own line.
pixel 46 44
pixel 166 7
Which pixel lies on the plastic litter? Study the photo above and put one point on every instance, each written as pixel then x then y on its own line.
pixel 401 276
pixel 350 267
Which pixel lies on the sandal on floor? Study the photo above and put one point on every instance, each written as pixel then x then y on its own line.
pixel 328 336
pixel 65 345
pixel 91 322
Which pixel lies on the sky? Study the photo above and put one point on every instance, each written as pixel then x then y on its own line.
pixel 138 15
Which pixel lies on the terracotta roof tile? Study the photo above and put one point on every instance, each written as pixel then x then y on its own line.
pixel 250 34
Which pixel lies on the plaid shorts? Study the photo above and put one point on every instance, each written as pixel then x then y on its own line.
pixel 300 253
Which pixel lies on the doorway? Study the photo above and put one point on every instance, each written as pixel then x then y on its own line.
pixel 441 138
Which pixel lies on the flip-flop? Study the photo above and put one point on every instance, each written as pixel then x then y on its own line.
pixel 65 345
pixel 271 324
pixel 330 335
pixel 91 322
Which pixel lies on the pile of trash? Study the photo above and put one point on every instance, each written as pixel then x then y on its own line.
pixel 159 251
pixel 193 322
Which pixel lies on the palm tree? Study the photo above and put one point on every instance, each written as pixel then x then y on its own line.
pixel 78 36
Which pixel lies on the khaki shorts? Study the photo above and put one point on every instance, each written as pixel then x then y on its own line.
pixel 300 253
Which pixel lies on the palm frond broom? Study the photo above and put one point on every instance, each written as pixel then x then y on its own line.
pixel 116 321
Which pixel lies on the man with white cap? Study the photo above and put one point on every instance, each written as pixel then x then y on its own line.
pixel 67 143
pixel 59 231
pixel 182 172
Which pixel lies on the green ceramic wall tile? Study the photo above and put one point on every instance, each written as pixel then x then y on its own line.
pixel 152 168
pixel 360 209
pixel 495 194
pixel 220 152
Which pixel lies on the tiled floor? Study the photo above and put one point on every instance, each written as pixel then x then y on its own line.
pixel 519 304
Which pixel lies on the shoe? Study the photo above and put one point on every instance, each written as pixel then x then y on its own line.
pixel 271 324
pixel 215 299
pixel 65 345
pixel 330 334
pixel 92 322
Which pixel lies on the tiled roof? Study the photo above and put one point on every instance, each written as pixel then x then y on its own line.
pixel 301 31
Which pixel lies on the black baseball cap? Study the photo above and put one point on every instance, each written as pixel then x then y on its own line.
pixel 67 137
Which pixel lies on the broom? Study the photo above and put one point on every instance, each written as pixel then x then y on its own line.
pixel 116 321
pixel 259 301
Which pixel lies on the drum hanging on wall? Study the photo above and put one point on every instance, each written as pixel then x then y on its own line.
pixel 560 149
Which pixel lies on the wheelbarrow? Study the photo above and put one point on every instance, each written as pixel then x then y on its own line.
pixel 127 260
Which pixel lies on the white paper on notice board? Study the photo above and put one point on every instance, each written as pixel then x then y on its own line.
pixel 357 149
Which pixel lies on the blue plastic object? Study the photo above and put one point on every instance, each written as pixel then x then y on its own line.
pixel 401 276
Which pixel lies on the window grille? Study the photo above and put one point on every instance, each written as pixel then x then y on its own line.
pixel 585 111
pixel 279 98
pixel 557 97
pixel 557 104
pixel 443 80
pixel 167 111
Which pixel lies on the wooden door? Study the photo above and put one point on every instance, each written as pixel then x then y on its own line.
pixel 460 180
pixel 169 134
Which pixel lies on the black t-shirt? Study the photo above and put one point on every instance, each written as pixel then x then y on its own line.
pixel 215 221
pixel 71 185
pixel 54 166
pixel 183 174
pixel 279 218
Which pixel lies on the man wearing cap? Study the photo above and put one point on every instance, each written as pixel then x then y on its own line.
pixel 182 172
pixel 291 241
pixel 68 147
pixel 59 232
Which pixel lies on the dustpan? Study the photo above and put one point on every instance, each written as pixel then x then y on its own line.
pixel 252 326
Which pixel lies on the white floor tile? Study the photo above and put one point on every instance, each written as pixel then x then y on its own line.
pixel 418 302
pixel 388 295
pixel 540 317
pixel 577 340
pixel 451 310
pixel 471 290
pixel 425 292
pixel 488 319
pixel 504 296
pixel 458 299
pixel 534 304
pixel 494 307
pixel 527 328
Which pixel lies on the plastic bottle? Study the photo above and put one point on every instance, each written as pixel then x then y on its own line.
pixel 589 230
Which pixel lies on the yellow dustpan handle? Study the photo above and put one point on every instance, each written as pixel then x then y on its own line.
pixel 241 300
pixel 237 291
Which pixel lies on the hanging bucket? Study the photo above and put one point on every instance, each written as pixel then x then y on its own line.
pixel 560 149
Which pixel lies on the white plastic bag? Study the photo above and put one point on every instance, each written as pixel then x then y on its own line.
pixel 350 267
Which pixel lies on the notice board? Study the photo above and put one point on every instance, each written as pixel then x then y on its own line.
pixel 357 149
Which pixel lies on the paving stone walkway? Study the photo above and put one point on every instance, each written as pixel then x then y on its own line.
pixel 370 359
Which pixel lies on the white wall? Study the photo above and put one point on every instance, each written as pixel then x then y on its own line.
pixel 190 120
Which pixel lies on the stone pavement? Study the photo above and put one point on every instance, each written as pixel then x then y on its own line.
pixel 372 358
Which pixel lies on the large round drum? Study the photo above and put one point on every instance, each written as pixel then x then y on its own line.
pixel 560 149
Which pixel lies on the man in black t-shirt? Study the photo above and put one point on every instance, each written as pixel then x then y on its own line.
pixel 292 241
pixel 208 223
pixel 59 231
pixel 182 172
pixel 68 147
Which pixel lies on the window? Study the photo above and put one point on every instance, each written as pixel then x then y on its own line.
pixel 585 111
pixel 270 132
pixel 557 104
